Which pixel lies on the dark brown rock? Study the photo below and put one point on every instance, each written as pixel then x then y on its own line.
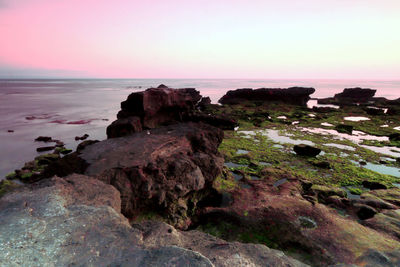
pixel 44 139
pixel 166 171
pixel 293 95
pixel 365 212
pixel 159 106
pixel 123 127
pixel 306 150
pixel 83 137
pixel 373 185
pixel 374 111
pixel 350 96
pixel 344 128
pixel 83 214
pixel 394 137
pixel 204 102
pixel 86 143
pixel 222 122
pixel 45 148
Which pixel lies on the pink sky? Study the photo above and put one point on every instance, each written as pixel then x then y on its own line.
pixel 200 38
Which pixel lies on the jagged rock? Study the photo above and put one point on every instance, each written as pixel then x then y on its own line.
pixel 293 95
pixel 306 150
pixel 344 128
pixel 159 106
pixel 123 127
pixel 148 169
pixel 76 221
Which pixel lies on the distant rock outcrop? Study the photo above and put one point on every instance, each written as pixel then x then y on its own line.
pixel 293 95
pixel 350 96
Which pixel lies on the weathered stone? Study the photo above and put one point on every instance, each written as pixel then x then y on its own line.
pixel 365 212
pixel 123 127
pixel 75 222
pixel 86 143
pixel 159 106
pixel 146 168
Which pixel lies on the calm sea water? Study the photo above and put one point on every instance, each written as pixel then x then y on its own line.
pixel 58 105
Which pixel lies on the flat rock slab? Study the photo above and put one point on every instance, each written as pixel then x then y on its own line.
pixel 56 223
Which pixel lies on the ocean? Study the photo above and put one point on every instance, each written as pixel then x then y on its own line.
pixel 65 108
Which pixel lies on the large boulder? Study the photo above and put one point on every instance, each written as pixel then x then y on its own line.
pixel 162 106
pixel 165 170
pixel 159 106
pixel 76 222
pixel 293 95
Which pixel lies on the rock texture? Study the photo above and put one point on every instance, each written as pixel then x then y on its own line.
pixel 293 95
pixel 155 107
pixel 76 222
pixel 166 170
pixel 291 217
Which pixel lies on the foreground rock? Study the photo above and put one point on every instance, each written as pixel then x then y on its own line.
pixel 76 222
pixel 167 170
pixel 293 95
pixel 299 217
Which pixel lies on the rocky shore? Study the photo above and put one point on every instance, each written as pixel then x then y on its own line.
pixel 261 180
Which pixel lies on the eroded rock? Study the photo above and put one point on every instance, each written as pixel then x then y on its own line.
pixel 76 221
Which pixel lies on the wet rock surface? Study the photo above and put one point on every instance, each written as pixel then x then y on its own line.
pixel 76 221
pixel 293 95
pixel 289 217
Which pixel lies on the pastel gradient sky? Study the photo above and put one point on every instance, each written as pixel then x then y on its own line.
pixel 344 39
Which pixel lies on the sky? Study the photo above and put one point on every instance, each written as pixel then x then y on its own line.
pixel 241 39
